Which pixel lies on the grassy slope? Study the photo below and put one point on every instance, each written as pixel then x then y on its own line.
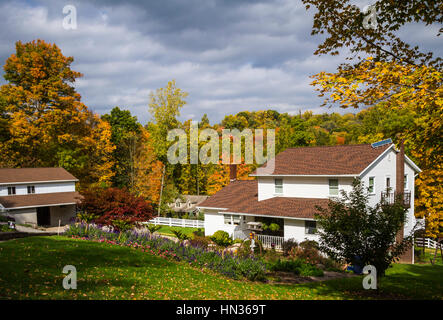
pixel 31 268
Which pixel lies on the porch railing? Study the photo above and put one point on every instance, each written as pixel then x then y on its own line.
pixel 271 241
pixel 390 197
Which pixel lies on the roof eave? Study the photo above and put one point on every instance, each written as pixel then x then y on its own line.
pixel 41 205
pixel 31 182
pixel 306 175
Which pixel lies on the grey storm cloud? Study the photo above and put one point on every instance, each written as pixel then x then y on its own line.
pixel 228 55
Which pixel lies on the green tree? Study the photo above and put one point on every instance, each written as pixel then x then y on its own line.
pixel 354 232
pixel 125 131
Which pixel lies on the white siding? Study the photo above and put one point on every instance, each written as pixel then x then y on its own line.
pixel 384 167
pixel 410 220
pixel 214 221
pixel 40 188
pixel 301 187
pixel 295 229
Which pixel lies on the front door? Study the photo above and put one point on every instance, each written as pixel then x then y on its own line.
pixel 43 216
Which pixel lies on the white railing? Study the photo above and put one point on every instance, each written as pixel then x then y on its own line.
pixel 173 222
pixel 271 241
pixel 429 243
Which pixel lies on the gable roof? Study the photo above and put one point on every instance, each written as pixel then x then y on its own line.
pixel 40 200
pixel 327 160
pixel 31 175
pixel 241 197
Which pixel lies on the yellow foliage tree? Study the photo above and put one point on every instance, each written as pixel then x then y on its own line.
pixel 399 86
pixel 49 125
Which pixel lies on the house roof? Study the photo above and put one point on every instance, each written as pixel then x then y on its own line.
pixel 39 200
pixel 30 175
pixel 241 197
pixel 327 160
pixel 194 198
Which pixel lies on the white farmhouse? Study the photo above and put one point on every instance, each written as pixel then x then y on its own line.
pixel 307 177
pixel 38 196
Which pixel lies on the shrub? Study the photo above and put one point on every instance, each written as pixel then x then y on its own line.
pixel 309 244
pixel 121 225
pixel 113 204
pixel 198 233
pixel 288 245
pixel 201 242
pixel 297 266
pixel 245 248
pixel 221 238
pixel 180 234
pixel 153 228
pixel 307 253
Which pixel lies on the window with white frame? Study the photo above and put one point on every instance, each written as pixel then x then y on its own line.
pixel 232 219
pixel 406 184
pixel 333 187
pixel 371 187
pixel 310 227
pixel 11 190
pixel 278 186
pixel 31 189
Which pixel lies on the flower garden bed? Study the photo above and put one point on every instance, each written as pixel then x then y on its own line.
pixel 228 264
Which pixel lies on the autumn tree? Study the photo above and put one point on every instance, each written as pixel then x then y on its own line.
pixel 165 105
pixel 385 70
pixel 147 171
pixel 48 123
pixel 114 207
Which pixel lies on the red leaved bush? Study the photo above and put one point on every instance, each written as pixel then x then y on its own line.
pixel 114 204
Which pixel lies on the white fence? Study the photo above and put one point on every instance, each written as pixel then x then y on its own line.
pixel 429 243
pixel 271 241
pixel 173 222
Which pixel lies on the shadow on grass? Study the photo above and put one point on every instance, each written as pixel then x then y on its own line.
pixel 402 281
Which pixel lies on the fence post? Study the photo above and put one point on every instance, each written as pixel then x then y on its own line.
pixel 170 222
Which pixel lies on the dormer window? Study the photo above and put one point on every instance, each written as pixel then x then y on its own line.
pixel 11 190
pixel 189 204
pixel 177 204
pixel 31 189
pixel 278 186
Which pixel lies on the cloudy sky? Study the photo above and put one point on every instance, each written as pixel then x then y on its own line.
pixel 230 55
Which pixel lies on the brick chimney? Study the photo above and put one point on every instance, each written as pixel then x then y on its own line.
pixel 400 178
pixel 400 171
pixel 232 172
pixel 407 257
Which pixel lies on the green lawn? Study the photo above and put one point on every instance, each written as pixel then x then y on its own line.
pixel 31 268
pixel 167 230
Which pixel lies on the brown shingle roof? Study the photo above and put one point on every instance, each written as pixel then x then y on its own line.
pixel 241 197
pixel 39 199
pixel 18 175
pixel 327 160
